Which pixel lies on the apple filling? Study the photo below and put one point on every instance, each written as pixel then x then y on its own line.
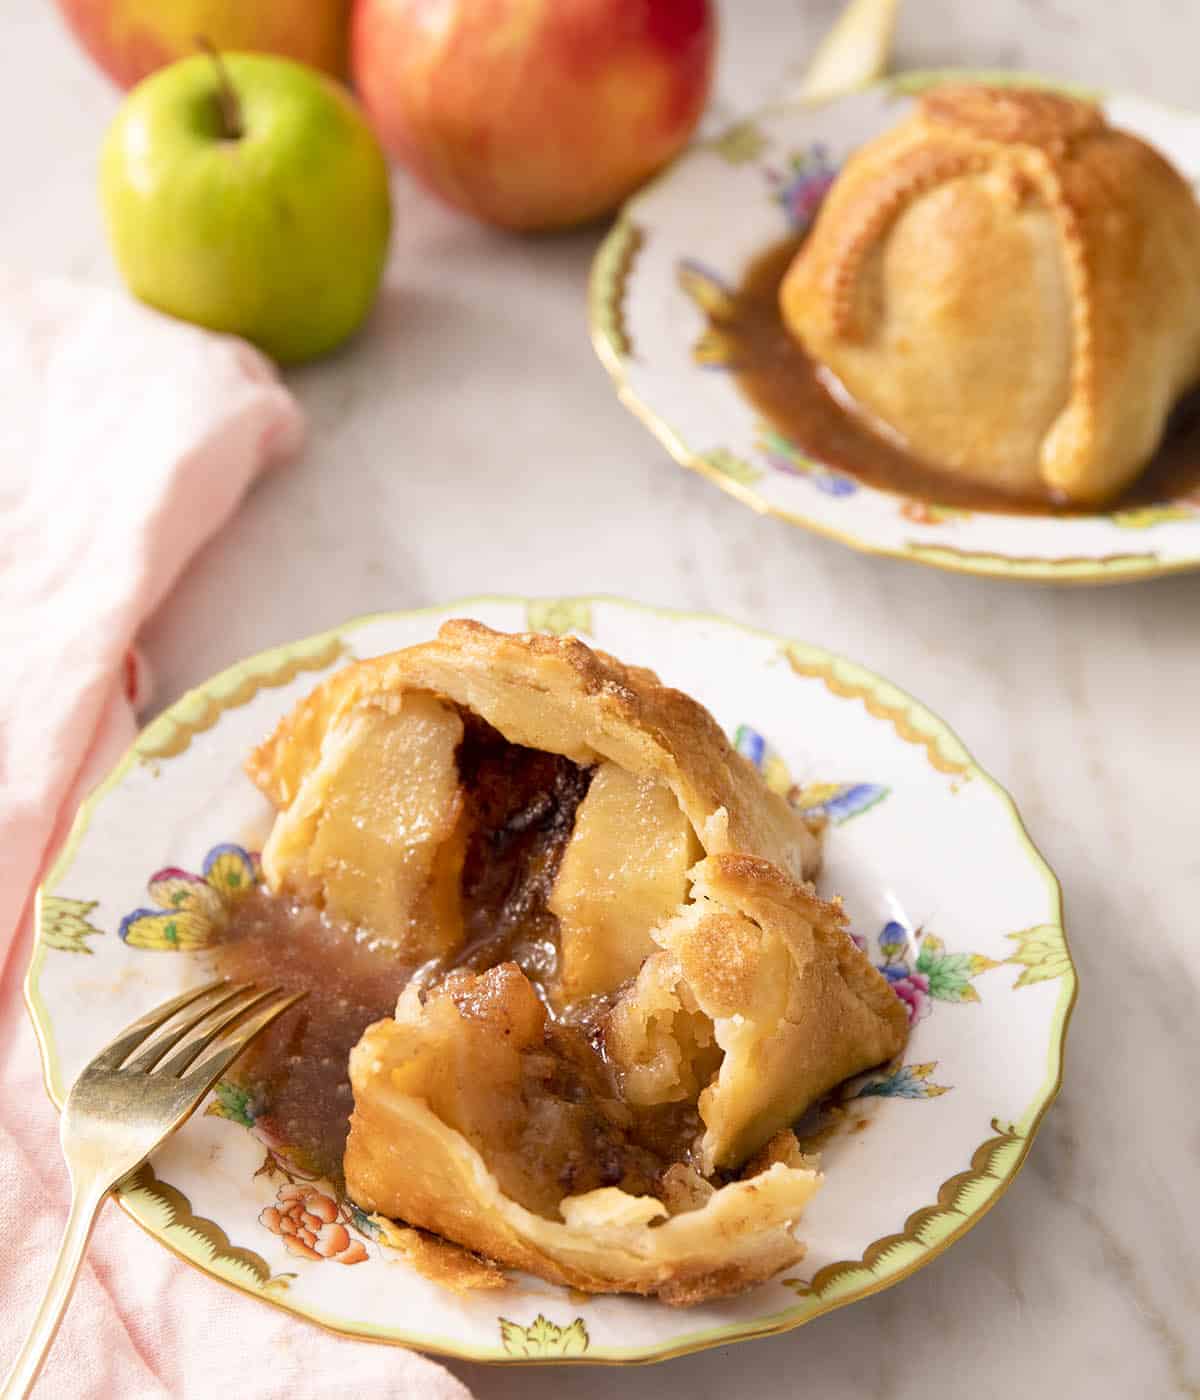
pixel 531 1094
pixel 519 809
pixel 616 988
pixel 469 850
pixel 534 882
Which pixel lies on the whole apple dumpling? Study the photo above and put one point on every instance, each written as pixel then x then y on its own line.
pixel 617 988
pixel 1011 288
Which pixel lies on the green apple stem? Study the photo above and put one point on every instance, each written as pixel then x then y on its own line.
pixel 227 99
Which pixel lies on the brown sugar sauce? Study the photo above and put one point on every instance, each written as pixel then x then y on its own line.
pixel 784 384
pixel 520 812
pixel 521 806
pixel 298 1067
pixel 553 1123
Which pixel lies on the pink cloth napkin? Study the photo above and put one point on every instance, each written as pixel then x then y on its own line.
pixel 126 440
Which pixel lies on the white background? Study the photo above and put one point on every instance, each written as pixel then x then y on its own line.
pixel 469 442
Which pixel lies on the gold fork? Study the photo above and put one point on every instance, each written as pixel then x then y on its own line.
pixel 123 1105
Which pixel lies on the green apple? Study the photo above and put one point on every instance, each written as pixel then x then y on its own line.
pixel 248 194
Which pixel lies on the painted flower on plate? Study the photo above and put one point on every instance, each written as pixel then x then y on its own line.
pixel 913 990
pixel 802 185
pixel 921 971
pixel 311 1225
pixel 782 455
pixel 192 909
pixel 927 513
pixel 243 1104
pixel 543 1337
pixel 906 1082
pixel 834 803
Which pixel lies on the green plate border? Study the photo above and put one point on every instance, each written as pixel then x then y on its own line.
pixel 609 275
pixel 962 1200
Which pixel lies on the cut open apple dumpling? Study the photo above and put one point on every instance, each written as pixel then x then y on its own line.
pixel 626 988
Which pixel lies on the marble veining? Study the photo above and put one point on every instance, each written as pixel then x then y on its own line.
pixel 470 442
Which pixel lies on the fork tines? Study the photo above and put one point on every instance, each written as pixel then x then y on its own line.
pixel 193 1022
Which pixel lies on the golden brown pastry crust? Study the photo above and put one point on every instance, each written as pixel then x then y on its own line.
pixel 1012 286
pixel 795 1005
pixel 796 1008
pixel 764 968
pixel 559 695
pixel 404 1161
pixel 375 835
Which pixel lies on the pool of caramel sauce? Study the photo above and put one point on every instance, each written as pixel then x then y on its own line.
pixel 298 1067
pixel 779 379
pixel 521 810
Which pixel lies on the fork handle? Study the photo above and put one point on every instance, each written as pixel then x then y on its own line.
pixel 86 1200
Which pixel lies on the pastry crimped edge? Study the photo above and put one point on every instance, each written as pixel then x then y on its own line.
pixel 403 1161
pixel 1062 149
pixel 840 1016
pixel 559 695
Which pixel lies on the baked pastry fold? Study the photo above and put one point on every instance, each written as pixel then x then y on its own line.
pixel 1011 287
pixel 763 969
pixel 363 772
pixel 625 987
pixel 441 1127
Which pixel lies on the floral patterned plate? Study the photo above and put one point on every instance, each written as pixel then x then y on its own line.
pixel 914 1153
pixel 685 240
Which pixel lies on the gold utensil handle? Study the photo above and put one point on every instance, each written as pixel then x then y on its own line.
pixel 86 1200
pixel 117 1113
pixel 855 52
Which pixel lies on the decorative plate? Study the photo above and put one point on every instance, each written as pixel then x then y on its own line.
pixel 691 234
pixel 917 1151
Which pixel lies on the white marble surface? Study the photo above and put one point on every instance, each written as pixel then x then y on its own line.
pixel 469 442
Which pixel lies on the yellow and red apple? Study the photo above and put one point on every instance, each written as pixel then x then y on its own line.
pixel 533 114
pixel 131 38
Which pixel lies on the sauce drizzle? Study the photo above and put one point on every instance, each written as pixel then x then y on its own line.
pixel 786 386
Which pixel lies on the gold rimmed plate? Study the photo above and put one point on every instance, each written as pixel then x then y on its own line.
pixel 690 237
pixel 919 1151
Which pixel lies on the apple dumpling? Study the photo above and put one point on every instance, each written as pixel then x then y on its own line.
pixel 1010 287
pixel 626 988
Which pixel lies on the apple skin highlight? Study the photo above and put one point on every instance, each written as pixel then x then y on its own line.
pixel 533 114
pixel 130 39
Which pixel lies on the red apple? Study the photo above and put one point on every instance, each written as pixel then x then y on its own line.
pixel 533 114
pixel 131 38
